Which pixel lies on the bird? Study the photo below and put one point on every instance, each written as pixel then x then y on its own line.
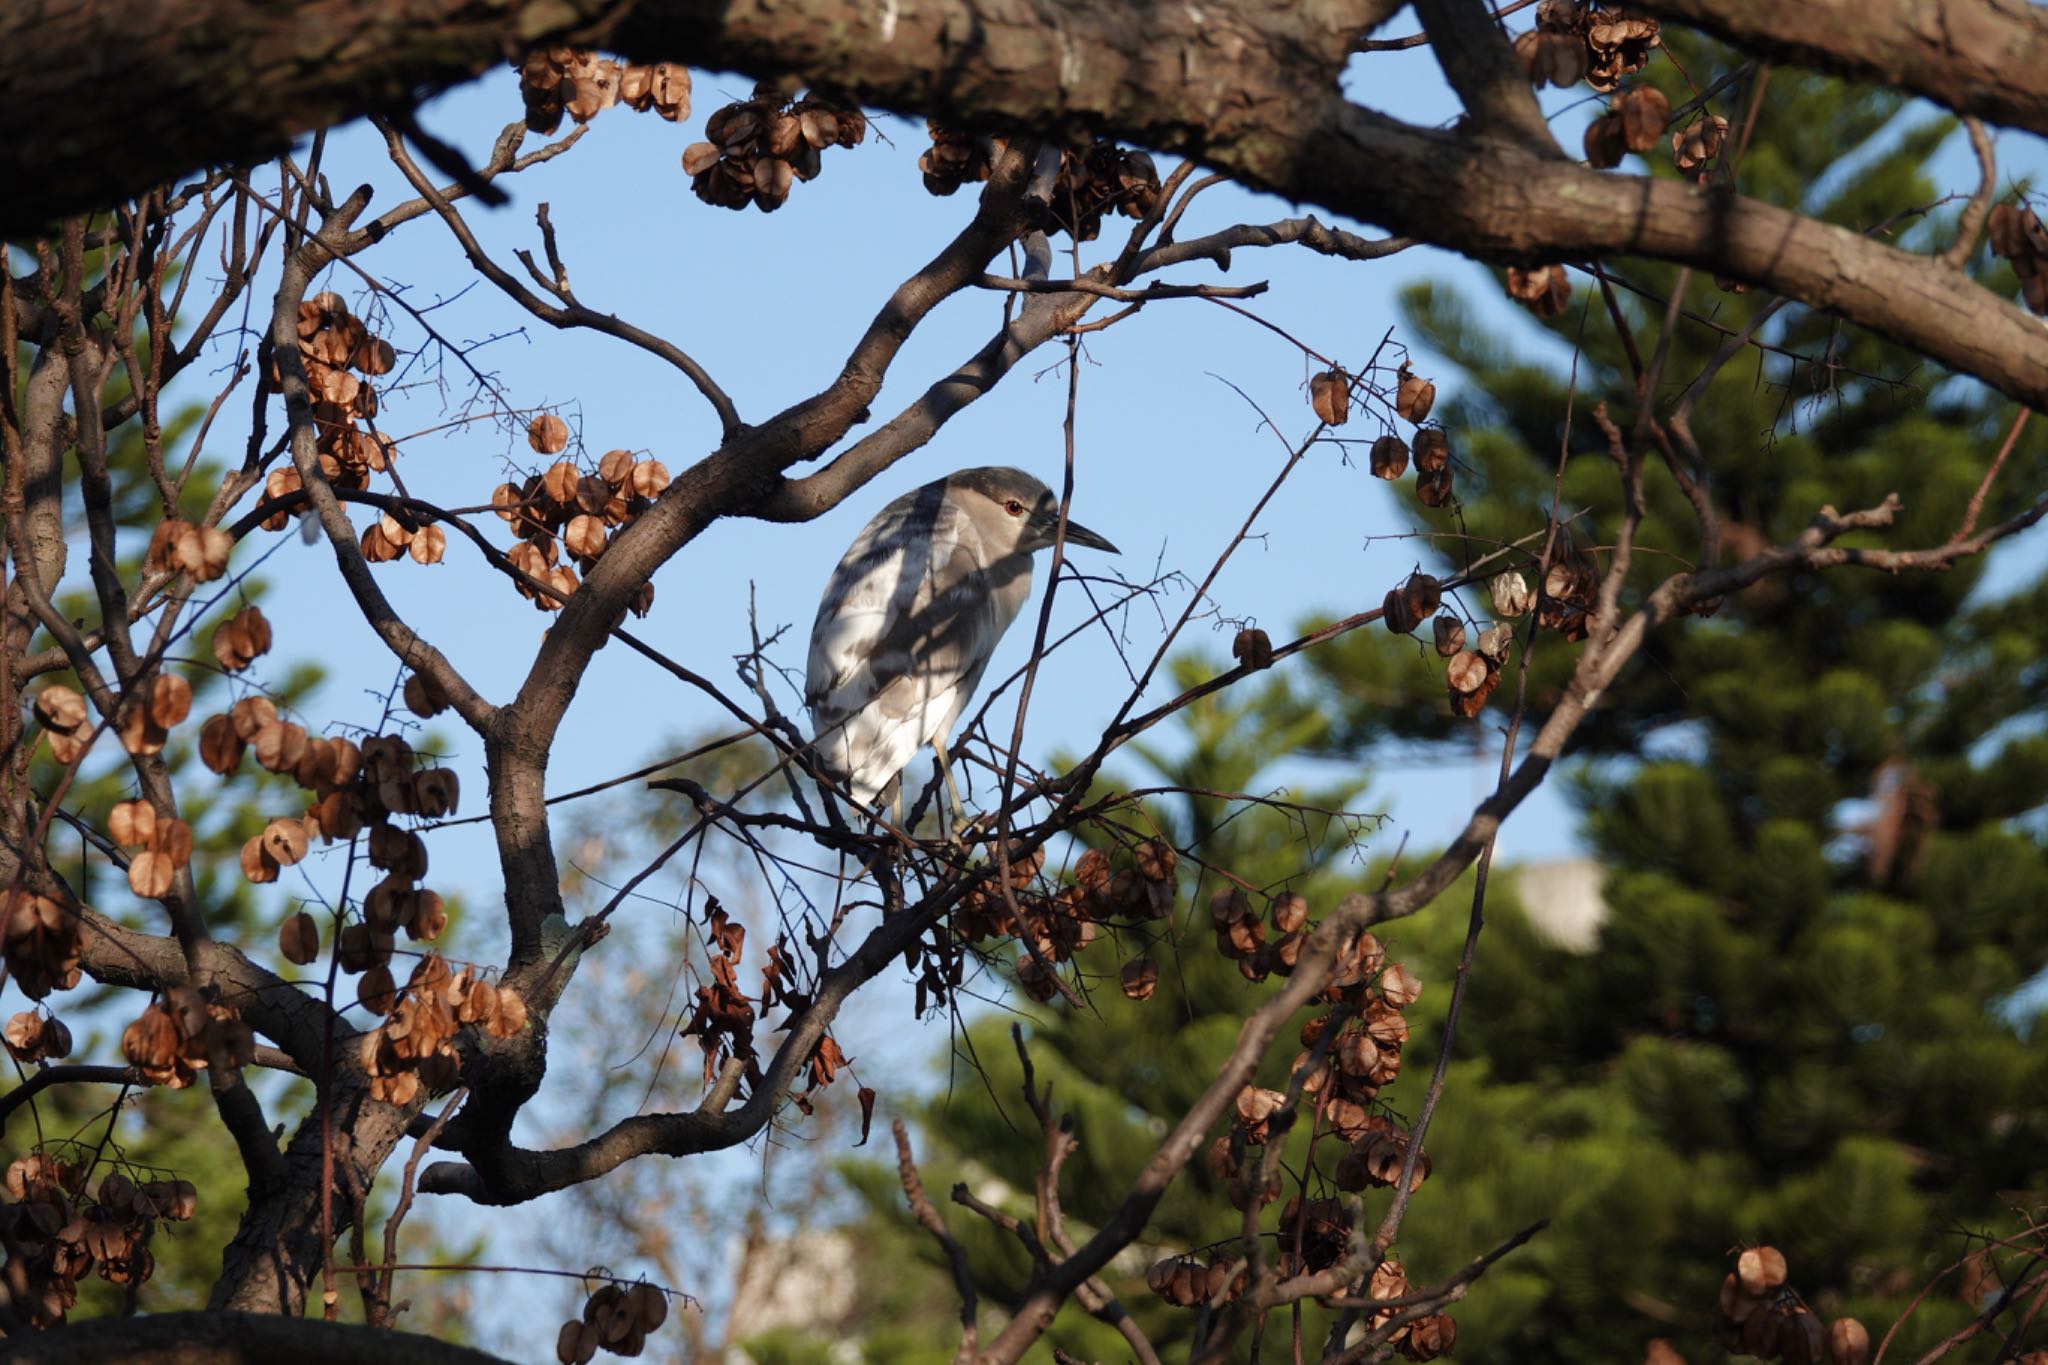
pixel 911 615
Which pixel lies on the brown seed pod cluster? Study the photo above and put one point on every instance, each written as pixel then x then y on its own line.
pixel 1699 142
pixel 1634 122
pixel 1759 1314
pixel 1414 396
pixel 241 639
pixel 754 150
pixel 42 939
pixel 955 158
pixel 164 845
pixel 1570 587
pixel 559 79
pixel 148 711
pixel 340 357
pixel 57 1233
pixel 65 723
pixel 1059 925
pixel 1576 41
pixel 1242 935
pixel 414 1047
pixel 1425 1338
pixel 182 1033
pixel 177 546
pixel 1188 1283
pixel 1413 602
pixel 403 533
pixel 33 1036
pixel 1545 290
pixel 1098 179
pixel 565 512
pixel 2017 236
pixel 616 1318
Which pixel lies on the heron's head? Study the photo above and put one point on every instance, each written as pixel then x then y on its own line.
pixel 1016 510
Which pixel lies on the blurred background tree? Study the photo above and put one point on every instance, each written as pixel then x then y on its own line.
pixel 1818 816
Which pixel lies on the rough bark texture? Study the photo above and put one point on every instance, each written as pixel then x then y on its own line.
pixel 1983 57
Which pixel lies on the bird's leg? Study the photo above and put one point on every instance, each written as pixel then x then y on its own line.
pixel 960 821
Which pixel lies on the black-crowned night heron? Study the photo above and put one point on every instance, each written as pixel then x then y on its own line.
pixel 912 614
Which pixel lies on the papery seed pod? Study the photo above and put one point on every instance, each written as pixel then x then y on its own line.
pixel 1329 393
pixel 1400 986
pixel 220 748
pixel 257 864
pixel 1760 1269
pixel 1644 113
pixel 1389 457
pixel 1467 672
pixel 428 545
pixel 1253 648
pixel 1414 397
pixel 150 874
pixel 132 824
pixel 252 715
pixel 1433 487
pixel 170 699
pixel 1432 450
pixel 649 478
pixel 548 434
pixel 1450 635
pixel 1606 141
pixel 1290 911
pixel 1546 290
pixel 1138 978
pixel 1848 1342
pixel 298 939
pixel 1698 142
pixel 1495 641
pixel 1510 594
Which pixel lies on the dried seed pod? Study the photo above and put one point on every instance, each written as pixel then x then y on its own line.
pixel 285 841
pixel 1760 1269
pixel 376 991
pixel 132 824
pixel 1400 986
pixel 1433 487
pixel 1467 672
pixel 1510 594
pixel 1495 641
pixel 1329 393
pixel 649 478
pixel 298 939
pixel 1414 397
pixel 257 864
pixel 1255 1105
pixel 423 696
pixel 1644 113
pixel 428 545
pixel 1389 457
pixel 1848 1342
pixel 1139 978
pixel 1290 911
pixel 548 434
pixel 170 699
pixel 1699 142
pixel 1253 648
pixel 150 874
pixel 1606 141
pixel 1450 635
pixel 1432 450
pixel 1545 290
pixel 511 1014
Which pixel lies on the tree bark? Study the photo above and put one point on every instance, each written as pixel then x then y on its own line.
pixel 231 1339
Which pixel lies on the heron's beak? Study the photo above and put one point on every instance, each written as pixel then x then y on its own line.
pixel 1077 534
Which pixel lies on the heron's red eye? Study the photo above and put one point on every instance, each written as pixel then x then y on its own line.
pixel 1014 508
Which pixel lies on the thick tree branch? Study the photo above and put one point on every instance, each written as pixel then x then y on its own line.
pixel 1983 57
